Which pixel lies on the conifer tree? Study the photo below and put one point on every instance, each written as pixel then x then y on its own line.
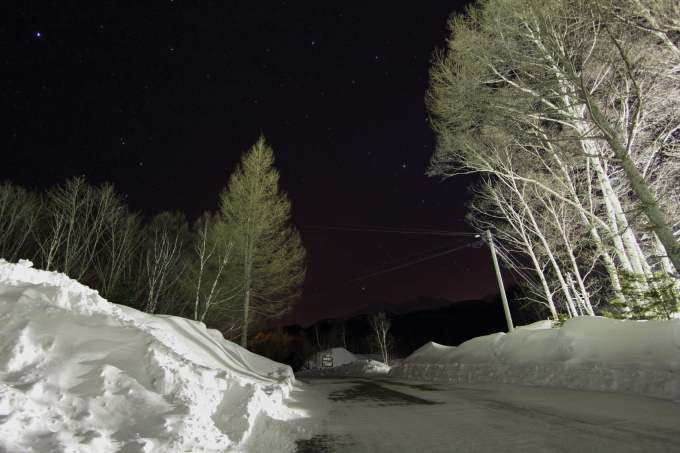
pixel 268 256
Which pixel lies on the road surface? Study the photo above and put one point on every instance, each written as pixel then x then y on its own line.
pixel 399 415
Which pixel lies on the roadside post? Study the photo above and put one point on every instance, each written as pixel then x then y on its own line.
pixel 506 307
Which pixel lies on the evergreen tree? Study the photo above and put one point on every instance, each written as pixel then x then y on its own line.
pixel 268 256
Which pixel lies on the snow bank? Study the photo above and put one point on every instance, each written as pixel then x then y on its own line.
pixel 357 367
pixel 588 353
pixel 344 364
pixel 340 356
pixel 78 373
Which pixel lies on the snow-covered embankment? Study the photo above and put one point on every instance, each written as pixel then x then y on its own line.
pixel 78 373
pixel 589 353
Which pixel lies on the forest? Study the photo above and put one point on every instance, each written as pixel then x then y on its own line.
pixel 243 263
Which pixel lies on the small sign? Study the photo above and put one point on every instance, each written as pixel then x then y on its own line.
pixel 327 361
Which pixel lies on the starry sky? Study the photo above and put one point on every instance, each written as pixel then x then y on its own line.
pixel 160 98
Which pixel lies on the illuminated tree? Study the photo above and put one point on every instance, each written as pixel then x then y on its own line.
pixel 163 263
pixel 210 281
pixel 88 233
pixel 268 255
pixel 380 339
pixel 575 98
pixel 20 212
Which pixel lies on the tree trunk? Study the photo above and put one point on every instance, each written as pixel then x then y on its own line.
pixel 657 219
pixel 244 330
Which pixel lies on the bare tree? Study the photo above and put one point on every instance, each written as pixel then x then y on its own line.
pixel 533 97
pixel 162 266
pixel 268 253
pixel 20 211
pixel 88 234
pixel 380 338
pixel 117 257
pixel 210 278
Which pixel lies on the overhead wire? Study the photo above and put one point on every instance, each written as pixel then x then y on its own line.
pixel 515 267
pixel 379 229
pixel 388 270
pixel 426 251
pixel 398 230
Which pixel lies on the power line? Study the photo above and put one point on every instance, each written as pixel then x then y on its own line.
pixel 426 251
pixel 390 230
pixel 390 269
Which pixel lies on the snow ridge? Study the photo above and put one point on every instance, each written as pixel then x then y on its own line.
pixel 587 353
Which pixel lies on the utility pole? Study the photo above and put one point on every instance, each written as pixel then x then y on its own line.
pixel 489 240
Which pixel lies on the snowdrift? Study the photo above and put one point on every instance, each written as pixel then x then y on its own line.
pixel 78 373
pixel 344 364
pixel 359 367
pixel 340 356
pixel 588 353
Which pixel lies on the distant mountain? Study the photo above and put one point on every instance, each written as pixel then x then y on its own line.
pixel 414 323
pixel 424 303
pixel 490 297
pixel 392 309
pixel 389 308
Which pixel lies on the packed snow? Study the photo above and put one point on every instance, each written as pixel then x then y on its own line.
pixel 78 373
pixel 587 353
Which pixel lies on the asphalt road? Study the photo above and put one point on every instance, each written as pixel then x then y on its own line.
pixel 398 415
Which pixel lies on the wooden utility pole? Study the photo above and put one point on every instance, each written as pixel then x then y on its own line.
pixel 506 307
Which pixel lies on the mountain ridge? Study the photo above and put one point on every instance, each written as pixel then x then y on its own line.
pixel 391 309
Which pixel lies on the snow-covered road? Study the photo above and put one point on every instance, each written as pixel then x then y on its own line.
pixel 399 415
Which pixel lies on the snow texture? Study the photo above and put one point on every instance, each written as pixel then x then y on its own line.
pixel 587 353
pixel 78 373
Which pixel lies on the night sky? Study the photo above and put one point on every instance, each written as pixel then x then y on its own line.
pixel 160 98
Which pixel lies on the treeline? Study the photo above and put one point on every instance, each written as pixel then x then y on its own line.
pixel 568 111
pixel 294 345
pixel 396 334
pixel 227 269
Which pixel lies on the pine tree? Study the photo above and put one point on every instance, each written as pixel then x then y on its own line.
pixel 268 256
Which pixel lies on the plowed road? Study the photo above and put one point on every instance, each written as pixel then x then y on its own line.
pixel 397 415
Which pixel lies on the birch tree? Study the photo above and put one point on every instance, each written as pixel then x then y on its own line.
pixel 117 257
pixel 87 233
pixel 163 265
pixel 20 212
pixel 211 282
pixel 577 87
pixel 380 338
pixel 268 253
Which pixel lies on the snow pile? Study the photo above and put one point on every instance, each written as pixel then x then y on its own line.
pixel 344 363
pixel 362 366
pixel 340 356
pixel 78 373
pixel 588 353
